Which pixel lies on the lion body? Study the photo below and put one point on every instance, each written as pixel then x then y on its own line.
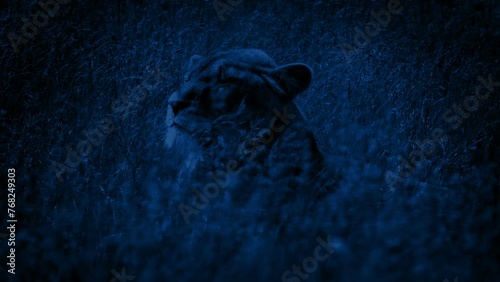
pixel 234 115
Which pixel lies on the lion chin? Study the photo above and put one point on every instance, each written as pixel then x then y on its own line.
pixel 179 138
pixel 184 147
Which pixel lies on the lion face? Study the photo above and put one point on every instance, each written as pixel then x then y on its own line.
pixel 231 90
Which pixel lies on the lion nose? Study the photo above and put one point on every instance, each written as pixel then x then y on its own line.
pixel 177 106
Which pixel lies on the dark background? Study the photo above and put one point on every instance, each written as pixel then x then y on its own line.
pixel 118 208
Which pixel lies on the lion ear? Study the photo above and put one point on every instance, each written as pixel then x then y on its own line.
pixel 293 78
pixel 194 59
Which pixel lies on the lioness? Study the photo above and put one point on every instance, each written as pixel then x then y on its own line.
pixel 234 114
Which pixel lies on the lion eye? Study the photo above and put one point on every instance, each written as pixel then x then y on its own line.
pixel 227 80
pixel 191 95
pixel 221 73
pixel 223 77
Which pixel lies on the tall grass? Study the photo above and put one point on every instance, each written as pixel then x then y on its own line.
pixel 119 207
